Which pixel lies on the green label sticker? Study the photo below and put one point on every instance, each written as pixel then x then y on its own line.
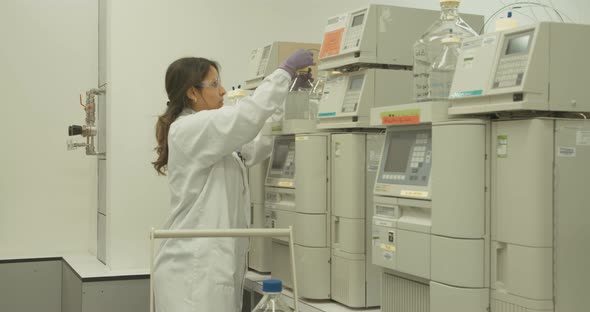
pixel 502 146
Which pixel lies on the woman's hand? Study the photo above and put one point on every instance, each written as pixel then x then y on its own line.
pixel 298 60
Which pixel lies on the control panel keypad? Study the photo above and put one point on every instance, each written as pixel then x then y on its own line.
pixel 289 168
pixel 419 164
pixel 510 71
pixel 353 37
pixel 351 101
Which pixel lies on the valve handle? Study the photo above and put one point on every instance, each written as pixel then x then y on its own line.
pixel 74 130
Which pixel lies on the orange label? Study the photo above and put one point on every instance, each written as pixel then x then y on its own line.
pixel 331 43
pixel 400 120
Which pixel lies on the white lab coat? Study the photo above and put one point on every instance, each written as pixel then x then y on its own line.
pixel 209 190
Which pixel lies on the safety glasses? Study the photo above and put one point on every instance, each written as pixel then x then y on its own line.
pixel 214 84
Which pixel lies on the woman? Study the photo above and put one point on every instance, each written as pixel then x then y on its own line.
pixel 205 147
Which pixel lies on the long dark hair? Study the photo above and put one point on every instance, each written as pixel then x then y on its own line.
pixel 181 75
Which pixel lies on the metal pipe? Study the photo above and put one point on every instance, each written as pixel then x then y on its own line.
pixel 90 109
pixel 221 233
pixel 90 149
pixel 89 130
pixel 295 292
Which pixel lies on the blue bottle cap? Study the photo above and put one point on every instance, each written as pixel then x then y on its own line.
pixel 272 285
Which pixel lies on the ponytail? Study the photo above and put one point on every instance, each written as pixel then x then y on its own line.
pixel 181 75
pixel 162 129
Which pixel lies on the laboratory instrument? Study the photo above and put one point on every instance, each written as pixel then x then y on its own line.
pixel 376 34
pixel 349 96
pixel 317 183
pixel 321 184
pixel 540 251
pixel 431 210
pixel 369 55
pixel 297 188
pixel 429 45
pixel 354 163
pixel 265 60
pixel 540 67
pixel 529 80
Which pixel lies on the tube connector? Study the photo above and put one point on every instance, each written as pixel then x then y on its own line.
pixel 72 145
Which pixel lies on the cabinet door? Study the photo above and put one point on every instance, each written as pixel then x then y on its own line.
pixel 311 172
pixel 348 175
pixel 30 286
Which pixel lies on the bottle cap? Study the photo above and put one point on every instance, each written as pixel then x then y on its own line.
pixel 272 285
pixel 506 23
pixel 443 1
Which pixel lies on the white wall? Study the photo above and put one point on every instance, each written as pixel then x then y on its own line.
pixel 48 56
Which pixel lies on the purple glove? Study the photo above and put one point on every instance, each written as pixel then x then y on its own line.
pixel 298 60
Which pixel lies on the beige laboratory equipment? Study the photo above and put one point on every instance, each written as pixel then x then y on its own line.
pixel 354 163
pixel 351 95
pixel 376 34
pixel 297 195
pixel 431 231
pixel 368 55
pixel 531 80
